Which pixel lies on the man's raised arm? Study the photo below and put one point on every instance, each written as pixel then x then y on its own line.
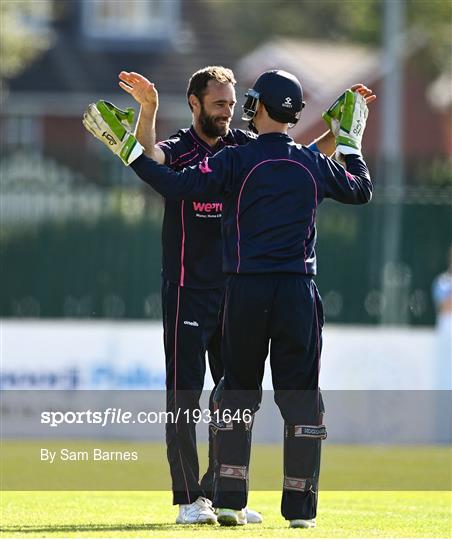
pixel 144 93
pixel 210 177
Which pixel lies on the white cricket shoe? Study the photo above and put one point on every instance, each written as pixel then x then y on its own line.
pixel 252 516
pixel 200 511
pixel 302 523
pixel 231 518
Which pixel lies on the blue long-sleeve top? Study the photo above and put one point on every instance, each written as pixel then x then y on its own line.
pixel 192 251
pixel 271 189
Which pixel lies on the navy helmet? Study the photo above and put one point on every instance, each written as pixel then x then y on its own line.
pixel 280 92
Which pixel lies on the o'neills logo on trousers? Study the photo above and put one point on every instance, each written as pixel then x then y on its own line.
pixel 208 207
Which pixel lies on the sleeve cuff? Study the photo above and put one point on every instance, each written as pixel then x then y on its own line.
pixel 313 146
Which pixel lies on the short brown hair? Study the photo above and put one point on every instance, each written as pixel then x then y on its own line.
pixel 198 81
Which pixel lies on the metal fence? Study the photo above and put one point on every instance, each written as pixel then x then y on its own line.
pixel 71 248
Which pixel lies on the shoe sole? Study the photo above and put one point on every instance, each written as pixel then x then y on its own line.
pixel 304 526
pixel 253 518
pixel 207 521
pixel 229 521
pixel 255 522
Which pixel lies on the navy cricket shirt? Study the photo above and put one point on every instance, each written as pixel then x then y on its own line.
pixel 271 189
pixel 191 232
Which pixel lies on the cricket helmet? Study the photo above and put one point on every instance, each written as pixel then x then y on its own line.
pixel 280 92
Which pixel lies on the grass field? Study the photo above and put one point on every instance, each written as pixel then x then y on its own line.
pixel 363 508
pixel 344 467
pixel 150 515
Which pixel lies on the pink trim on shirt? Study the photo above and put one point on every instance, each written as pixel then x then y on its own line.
pixel 183 155
pixel 240 196
pixel 182 249
pixel 350 178
pixel 189 160
pixel 198 141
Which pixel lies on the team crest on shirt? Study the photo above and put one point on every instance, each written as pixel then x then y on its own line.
pixel 204 166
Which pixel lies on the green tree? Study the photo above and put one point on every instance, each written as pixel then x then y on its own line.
pixel 24 34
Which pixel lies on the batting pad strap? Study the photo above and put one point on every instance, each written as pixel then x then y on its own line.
pixel 238 472
pixel 297 484
pixel 215 427
pixel 310 432
pixel 221 425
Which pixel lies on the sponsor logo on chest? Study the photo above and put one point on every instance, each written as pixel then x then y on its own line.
pixel 208 209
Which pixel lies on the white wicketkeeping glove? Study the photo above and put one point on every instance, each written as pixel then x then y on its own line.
pixel 112 126
pixel 352 124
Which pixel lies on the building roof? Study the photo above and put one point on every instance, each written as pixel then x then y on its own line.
pixel 325 69
pixel 73 71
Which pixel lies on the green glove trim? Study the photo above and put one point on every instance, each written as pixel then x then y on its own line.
pixel 334 111
pixel 342 139
pixel 127 148
pixel 124 116
pixel 348 110
pixel 120 121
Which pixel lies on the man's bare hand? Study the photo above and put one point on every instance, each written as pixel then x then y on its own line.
pixel 140 88
pixel 367 93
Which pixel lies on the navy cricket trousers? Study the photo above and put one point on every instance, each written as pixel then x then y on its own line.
pixel 282 312
pixel 192 326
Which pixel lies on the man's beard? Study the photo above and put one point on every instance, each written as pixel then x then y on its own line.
pixel 210 126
